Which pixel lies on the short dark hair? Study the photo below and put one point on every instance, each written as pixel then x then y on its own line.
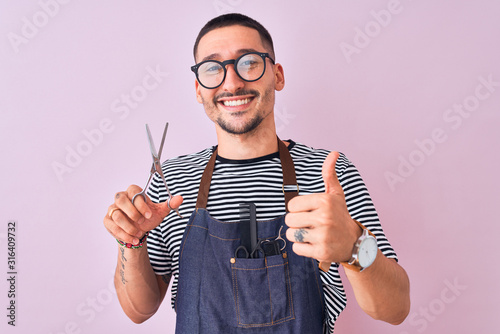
pixel 232 19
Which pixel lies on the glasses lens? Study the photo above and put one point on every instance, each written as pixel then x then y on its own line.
pixel 210 74
pixel 250 67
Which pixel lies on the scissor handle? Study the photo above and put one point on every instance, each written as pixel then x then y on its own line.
pixel 140 194
pixel 281 239
pixel 258 248
pixel 244 250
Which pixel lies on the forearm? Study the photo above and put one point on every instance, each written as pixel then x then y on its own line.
pixel 136 284
pixel 382 290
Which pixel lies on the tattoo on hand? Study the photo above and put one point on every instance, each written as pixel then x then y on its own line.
pixel 299 235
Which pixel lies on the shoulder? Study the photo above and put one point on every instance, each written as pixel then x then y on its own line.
pixel 189 161
pixel 307 156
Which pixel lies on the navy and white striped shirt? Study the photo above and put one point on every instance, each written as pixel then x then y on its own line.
pixel 259 181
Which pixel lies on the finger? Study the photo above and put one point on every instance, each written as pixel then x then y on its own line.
pixel 162 209
pixel 112 210
pixel 127 225
pixel 309 250
pixel 117 217
pixel 303 249
pixel 329 174
pixel 176 202
pixel 124 203
pixel 140 202
pixel 118 233
pixel 299 220
pixel 300 235
pixel 308 203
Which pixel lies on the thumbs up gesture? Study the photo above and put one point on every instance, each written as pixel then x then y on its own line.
pixel 319 224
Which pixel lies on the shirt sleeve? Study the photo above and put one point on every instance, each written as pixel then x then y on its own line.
pixel 361 208
pixel 360 204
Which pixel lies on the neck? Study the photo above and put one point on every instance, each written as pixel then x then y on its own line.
pixel 262 141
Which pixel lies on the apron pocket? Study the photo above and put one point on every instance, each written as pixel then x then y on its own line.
pixel 262 291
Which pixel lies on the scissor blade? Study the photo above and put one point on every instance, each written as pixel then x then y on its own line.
pixel 162 140
pixel 154 153
pixel 157 164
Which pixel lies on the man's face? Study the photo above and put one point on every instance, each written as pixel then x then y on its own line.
pixel 237 106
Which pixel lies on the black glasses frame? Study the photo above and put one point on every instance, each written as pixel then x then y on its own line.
pixel 224 63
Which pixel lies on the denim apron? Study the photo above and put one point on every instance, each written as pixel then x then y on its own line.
pixel 220 293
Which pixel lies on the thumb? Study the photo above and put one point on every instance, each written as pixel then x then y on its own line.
pixel 330 179
pixel 162 209
pixel 176 201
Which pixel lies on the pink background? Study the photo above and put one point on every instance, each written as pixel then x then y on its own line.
pixel 380 104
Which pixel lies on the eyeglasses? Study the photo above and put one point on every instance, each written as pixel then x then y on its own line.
pixel 249 67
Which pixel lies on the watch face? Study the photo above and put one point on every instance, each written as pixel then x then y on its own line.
pixel 367 252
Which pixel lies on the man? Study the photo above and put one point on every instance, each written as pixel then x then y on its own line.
pixel 216 287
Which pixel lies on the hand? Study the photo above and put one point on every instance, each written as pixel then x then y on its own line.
pixel 131 221
pixel 319 224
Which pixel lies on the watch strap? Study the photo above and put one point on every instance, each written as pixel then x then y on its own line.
pixel 364 228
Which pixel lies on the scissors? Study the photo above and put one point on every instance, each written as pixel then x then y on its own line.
pixel 242 251
pixel 156 168
pixel 269 247
pixel 265 247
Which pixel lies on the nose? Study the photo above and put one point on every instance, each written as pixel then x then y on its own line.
pixel 232 82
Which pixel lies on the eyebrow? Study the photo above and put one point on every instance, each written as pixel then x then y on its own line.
pixel 217 55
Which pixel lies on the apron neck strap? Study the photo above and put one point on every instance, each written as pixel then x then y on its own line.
pixel 290 186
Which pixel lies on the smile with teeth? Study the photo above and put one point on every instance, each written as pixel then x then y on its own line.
pixel 234 103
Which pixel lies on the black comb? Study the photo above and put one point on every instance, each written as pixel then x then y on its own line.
pixel 248 225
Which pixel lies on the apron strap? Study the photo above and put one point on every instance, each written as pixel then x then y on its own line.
pixel 206 178
pixel 290 186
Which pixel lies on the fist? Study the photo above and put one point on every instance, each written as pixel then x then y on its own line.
pixel 320 225
pixel 128 222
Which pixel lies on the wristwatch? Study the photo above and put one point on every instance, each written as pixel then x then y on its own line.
pixel 364 251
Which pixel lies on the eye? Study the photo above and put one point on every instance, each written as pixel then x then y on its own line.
pixel 247 63
pixel 213 68
pixel 210 68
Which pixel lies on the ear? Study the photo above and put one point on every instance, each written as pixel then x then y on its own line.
pixel 279 77
pixel 198 94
